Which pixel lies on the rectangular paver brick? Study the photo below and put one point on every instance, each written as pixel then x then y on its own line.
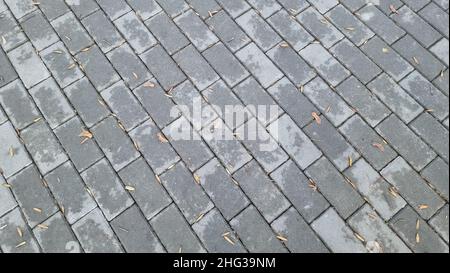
pixel 9 238
pixel 173 7
pixel 8 202
pixel 145 8
pixel 20 8
pixel 10 142
pixel 82 8
pixel 295 185
pixel 114 9
pixel 10 30
pixel 134 232
pixel 264 240
pixel 196 30
pixel 222 190
pixel 71 32
pixel 43 147
pixel 70 192
pixel 32 195
pixel 440 49
pixel 135 32
pixel 53 9
pixel 95 234
pixel 38 30
pixel 149 194
pixel 412 187
pixel 436 17
pixel 115 143
pixel 265 7
pixel 7 72
pixel 440 223
pixel 234 8
pixel 437 174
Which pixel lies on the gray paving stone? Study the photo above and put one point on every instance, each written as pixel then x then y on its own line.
pixel 324 5
pixel 52 103
pixel 405 224
pixel 53 9
pixel 412 187
pixel 332 144
pixel 416 26
pixel 43 147
pixel 432 99
pixel 440 49
pixel 258 101
pixel 28 65
pixel 71 32
pixel 262 145
pixel 38 30
pixel 320 27
pixel 20 8
pixel 173 7
pixel 300 237
pixel 7 72
pixel 437 175
pixel 204 7
pixel 178 239
pixel 116 145
pixel 210 230
pixel 350 25
pixel 62 66
pixel 102 31
pixel 387 59
pixel 3 117
pixel 196 30
pixel 336 234
pixel 107 189
pixel 442 82
pixel 262 241
pixel 163 67
pixel 196 67
pixel 189 197
pixel 227 148
pixel 378 236
pixel 56 237
pixel 380 23
pixel 9 237
pixel 295 185
pixel 234 8
pixel 32 196
pixel 440 223
pixel 367 142
pixel 259 65
pixel 147 137
pixel 419 57
pixel 223 191
pixel 95 234
pixel 355 61
pixel 135 32
pixel 261 191
pixel 293 66
pixel 442 3
pixel 258 30
pixel 10 142
pixel 224 62
pixel 193 150
pixel 395 97
pixel 82 8
pixel 144 8
pixel 402 139
pixel 97 68
pixel 228 31
pixel 436 135
pixel 129 66
pixel 325 64
pixel 436 17
pixel 10 30
pixel 135 234
pixel 416 5
pixel 374 189
pixel 294 141
pixel 327 101
pixel 124 105
pixel 295 103
pixel 167 33
pixel 265 7
pixel 139 176
pixel 363 101
pixel 114 9
pixel 289 29
pixel 382 5
pixel 87 102
pixel 8 202
pixel 17 104
pixel 294 6
pixel 70 192
pixel 160 107
pixel 345 199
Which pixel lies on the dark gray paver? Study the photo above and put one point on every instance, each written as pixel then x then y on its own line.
pixel 71 32
pixel 38 30
pixel 135 32
pixel 436 173
pixel 440 223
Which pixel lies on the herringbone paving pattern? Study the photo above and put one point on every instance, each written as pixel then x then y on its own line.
pixel 90 89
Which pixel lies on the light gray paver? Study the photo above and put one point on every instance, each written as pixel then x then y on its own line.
pixel 10 142
pixel 9 237
pixel 135 32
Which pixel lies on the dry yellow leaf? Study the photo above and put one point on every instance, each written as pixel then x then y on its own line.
pixel 162 138
pixel 316 118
